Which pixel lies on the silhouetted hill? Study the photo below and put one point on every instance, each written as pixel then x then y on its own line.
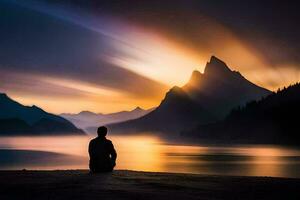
pixel 90 121
pixel 205 98
pixel 49 126
pixel 16 126
pixel 16 118
pixel 274 119
pixel 177 110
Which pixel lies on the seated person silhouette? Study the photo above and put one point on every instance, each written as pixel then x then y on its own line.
pixel 102 153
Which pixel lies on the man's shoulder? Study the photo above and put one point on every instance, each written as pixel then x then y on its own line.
pixel 93 140
pixel 108 141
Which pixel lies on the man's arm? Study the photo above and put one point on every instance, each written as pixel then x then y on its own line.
pixel 90 148
pixel 113 154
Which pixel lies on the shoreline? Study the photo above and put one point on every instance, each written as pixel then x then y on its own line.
pixel 125 184
pixel 121 171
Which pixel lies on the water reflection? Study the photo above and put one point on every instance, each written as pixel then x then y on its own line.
pixel 147 153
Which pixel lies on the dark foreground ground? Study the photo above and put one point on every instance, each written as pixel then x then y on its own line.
pixel 141 185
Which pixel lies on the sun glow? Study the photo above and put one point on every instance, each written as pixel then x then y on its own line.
pixel 159 59
pixel 153 52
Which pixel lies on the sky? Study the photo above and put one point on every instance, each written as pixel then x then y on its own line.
pixel 107 56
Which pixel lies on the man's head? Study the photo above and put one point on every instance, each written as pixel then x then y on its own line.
pixel 102 131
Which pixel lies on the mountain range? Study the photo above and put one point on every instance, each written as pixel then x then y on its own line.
pixel 273 119
pixel 16 118
pixel 89 121
pixel 206 98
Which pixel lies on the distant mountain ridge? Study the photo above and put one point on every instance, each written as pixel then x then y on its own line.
pixel 205 98
pixel 271 120
pixel 177 109
pixel 16 118
pixel 89 120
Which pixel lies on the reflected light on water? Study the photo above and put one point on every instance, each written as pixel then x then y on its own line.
pixel 139 153
pixel 150 153
pixel 75 145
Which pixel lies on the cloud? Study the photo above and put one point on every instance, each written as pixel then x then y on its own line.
pixel 121 53
pixel 251 36
pixel 28 85
pixel 36 44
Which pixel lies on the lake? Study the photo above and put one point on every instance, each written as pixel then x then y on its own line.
pixel 150 153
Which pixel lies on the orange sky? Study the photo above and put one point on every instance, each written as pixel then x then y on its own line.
pixel 155 52
pixel 169 62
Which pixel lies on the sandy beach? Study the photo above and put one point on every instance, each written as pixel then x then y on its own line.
pixel 122 184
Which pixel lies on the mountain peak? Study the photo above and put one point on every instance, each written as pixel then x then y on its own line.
pixel 138 109
pixel 85 112
pixel 175 89
pixel 36 108
pixel 3 95
pixel 216 67
pixel 5 98
pixel 175 92
pixel 215 59
pixel 196 73
pixel 195 77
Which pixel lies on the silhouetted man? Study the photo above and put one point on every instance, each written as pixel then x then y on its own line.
pixel 102 153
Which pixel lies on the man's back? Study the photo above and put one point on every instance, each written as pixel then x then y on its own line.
pixel 102 155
